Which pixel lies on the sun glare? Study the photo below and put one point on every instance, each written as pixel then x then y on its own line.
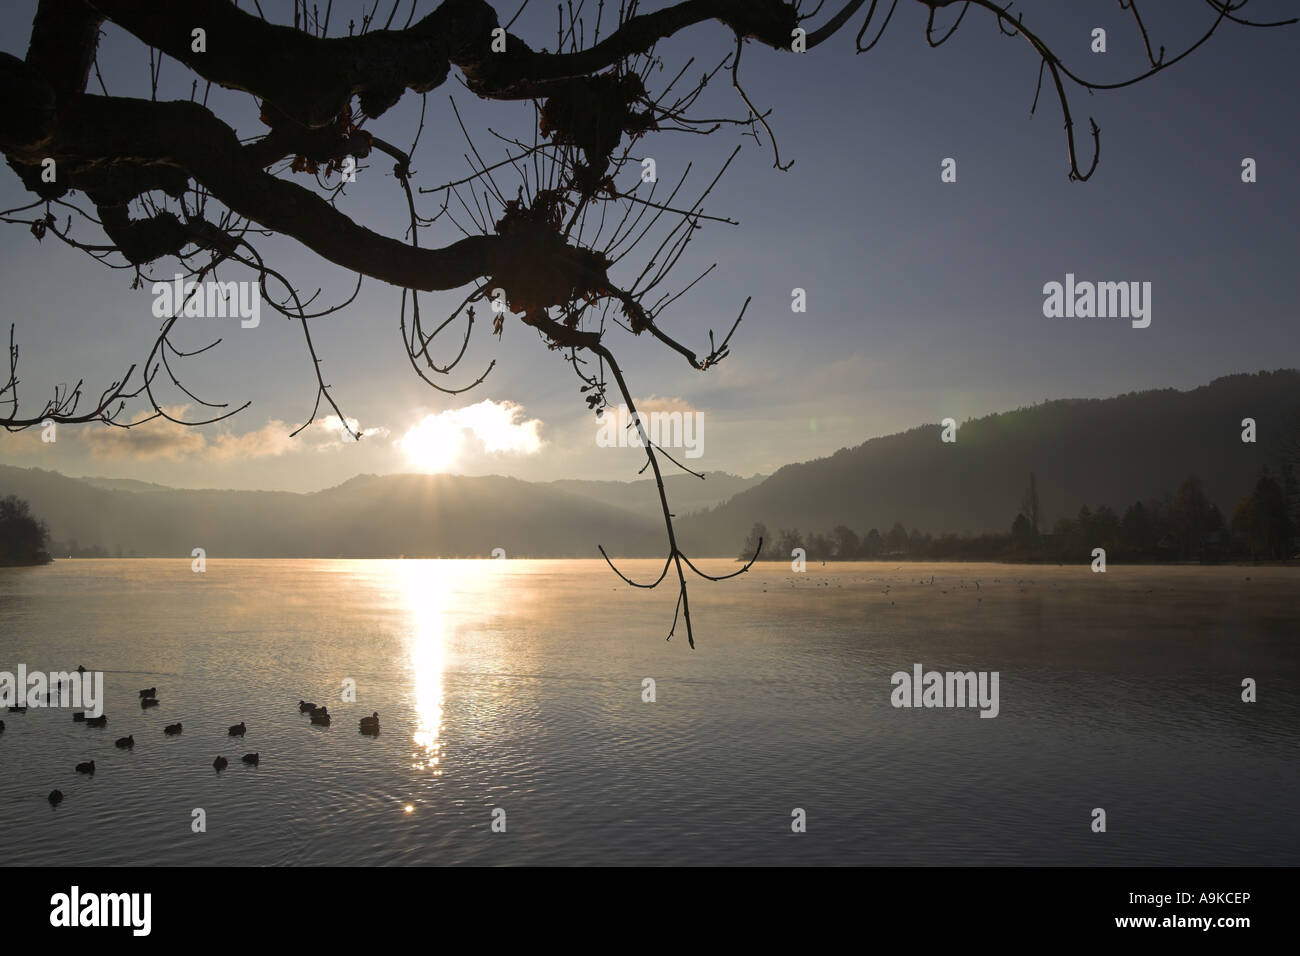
pixel 426 587
pixel 432 445
pixel 437 442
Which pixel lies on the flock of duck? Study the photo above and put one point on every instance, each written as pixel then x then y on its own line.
pixel 320 716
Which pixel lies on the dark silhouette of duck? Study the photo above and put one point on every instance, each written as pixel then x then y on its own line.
pixel 87 767
pixel 220 764
pixel 149 692
pixel 322 719
pixel 55 797
pixel 237 730
pixel 80 669
pixel 172 730
pixel 305 706
pixel 78 716
pixel 125 743
pixel 146 702
pixel 370 725
pixel 250 759
pixel 101 721
pixel 321 711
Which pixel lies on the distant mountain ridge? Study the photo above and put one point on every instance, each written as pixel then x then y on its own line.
pixel 123 484
pixel 365 517
pixel 1083 451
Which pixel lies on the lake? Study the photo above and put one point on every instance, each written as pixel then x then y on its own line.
pixel 513 690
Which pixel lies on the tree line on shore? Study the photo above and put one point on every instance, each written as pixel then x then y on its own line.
pixel 25 539
pixel 1182 526
pixel 22 535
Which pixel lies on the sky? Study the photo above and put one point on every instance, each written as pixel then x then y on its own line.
pixel 924 298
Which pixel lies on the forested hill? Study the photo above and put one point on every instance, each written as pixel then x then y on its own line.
pixel 1111 451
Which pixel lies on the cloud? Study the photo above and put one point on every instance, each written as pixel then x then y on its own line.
pixel 271 439
pixel 438 441
pixel 656 403
pixel 158 439
pixel 329 432
pixel 24 443
pixel 162 439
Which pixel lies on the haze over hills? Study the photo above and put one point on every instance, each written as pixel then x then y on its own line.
pixel 123 484
pixel 1095 451
pixel 365 517
pixel 686 493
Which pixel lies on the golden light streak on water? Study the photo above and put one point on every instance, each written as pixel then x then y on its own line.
pixel 428 587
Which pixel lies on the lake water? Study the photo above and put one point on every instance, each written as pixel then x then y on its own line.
pixel 518 685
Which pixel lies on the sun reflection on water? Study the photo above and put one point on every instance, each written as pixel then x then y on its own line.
pixel 427 585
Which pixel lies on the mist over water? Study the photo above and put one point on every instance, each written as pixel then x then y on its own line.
pixel 518 684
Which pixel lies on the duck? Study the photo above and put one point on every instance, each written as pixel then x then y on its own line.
pixel 125 743
pixel 321 711
pixel 87 767
pixel 305 706
pixel 149 692
pixel 55 797
pixel 172 730
pixel 321 719
pixel 80 669
pixel 97 721
pixel 237 730
pixel 250 759
pixel 220 763
pixel 78 716
pixel 370 725
pixel 146 702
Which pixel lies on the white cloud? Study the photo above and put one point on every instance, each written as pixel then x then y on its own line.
pixel 162 439
pixel 658 403
pixel 328 432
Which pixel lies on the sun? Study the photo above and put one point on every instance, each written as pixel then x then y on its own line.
pixel 433 444
pixel 438 441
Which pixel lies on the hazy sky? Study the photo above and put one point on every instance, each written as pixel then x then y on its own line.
pixel 924 298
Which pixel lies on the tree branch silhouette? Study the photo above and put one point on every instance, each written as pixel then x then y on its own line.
pixel 545 225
